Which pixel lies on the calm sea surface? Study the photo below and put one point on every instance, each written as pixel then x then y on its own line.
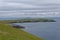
pixel 46 30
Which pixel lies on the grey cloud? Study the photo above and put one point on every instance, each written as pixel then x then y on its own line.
pixel 35 2
pixel 11 4
pixel 13 7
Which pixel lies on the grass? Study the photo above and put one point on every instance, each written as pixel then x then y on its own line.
pixel 9 33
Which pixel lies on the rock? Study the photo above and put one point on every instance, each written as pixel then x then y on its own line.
pixel 18 26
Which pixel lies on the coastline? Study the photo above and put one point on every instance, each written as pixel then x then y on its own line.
pixel 18 33
pixel 9 33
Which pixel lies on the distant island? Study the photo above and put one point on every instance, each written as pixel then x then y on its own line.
pixel 24 20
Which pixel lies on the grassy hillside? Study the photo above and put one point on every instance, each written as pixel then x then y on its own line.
pixel 9 33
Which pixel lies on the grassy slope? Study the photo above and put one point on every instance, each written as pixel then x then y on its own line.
pixel 9 33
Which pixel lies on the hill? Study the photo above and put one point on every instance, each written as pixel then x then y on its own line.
pixel 9 33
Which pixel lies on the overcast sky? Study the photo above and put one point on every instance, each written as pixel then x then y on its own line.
pixel 22 8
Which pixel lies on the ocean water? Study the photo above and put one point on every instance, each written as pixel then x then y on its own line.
pixel 45 30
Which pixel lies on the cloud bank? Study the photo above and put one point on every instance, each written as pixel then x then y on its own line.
pixel 28 8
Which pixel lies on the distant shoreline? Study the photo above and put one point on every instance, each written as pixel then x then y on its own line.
pixel 33 20
pixel 26 20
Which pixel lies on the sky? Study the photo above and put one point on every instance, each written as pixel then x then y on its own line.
pixel 29 8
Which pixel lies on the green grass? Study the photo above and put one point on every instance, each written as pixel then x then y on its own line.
pixel 9 33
